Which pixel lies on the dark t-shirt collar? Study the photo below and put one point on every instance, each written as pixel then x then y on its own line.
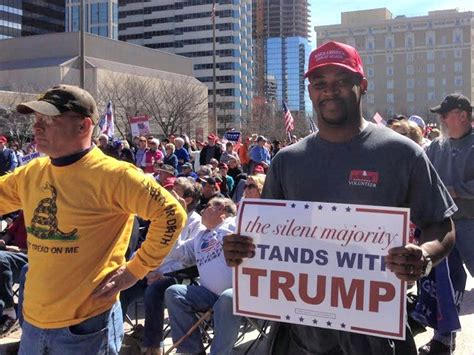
pixel 70 159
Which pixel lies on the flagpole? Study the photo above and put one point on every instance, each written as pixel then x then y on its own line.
pixel 214 115
pixel 82 45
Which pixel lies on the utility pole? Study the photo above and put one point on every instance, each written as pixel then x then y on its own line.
pixel 214 115
pixel 82 46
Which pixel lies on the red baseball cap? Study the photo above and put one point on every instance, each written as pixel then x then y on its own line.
pixel 335 53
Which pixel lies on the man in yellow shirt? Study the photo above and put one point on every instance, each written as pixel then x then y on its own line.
pixel 79 206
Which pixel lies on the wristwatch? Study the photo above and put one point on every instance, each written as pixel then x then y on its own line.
pixel 427 264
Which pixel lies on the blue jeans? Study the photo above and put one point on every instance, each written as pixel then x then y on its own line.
pixel 10 269
pixel 465 247
pixel 155 312
pixel 101 334
pixel 465 242
pixel 184 300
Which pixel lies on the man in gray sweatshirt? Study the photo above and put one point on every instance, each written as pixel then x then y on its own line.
pixel 452 155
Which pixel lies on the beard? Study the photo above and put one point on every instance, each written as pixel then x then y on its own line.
pixel 333 112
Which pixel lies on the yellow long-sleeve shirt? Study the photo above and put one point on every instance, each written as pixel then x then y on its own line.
pixel 79 219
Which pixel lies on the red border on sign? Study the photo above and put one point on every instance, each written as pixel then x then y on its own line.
pixel 401 321
pixel 404 214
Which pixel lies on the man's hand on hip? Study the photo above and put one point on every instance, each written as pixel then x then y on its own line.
pixel 116 281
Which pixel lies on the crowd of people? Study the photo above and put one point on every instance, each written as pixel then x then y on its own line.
pixel 71 240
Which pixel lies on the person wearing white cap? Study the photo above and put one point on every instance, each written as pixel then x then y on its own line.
pixel 421 123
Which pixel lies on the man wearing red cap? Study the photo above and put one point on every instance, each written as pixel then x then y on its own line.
pixel 211 150
pixel 8 159
pixel 347 143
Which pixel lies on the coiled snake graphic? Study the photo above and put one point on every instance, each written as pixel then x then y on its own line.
pixel 44 224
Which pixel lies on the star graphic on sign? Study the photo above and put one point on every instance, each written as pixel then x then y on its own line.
pixel 293 205
pixel 348 209
pixel 306 206
pixel 301 319
pixel 315 321
pixel 328 323
pixel 287 317
pixel 334 208
pixel 320 207
pixel 343 325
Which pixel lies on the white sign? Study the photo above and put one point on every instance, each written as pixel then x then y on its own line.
pixel 140 126
pixel 321 264
pixel 27 158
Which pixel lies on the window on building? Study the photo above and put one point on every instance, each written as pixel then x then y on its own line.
pixel 410 69
pixel 430 55
pixel 457 36
pixel 369 43
pixel 370 98
pixel 390 98
pixel 371 86
pixel 389 84
pixel 370 59
pixel 410 83
pixel 430 82
pixel 409 40
pixel 458 81
pixel 458 53
pixel 103 12
pixel 370 72
pixel 430 39
pixel 430 68
pixel 389 71
pixel 444 83
pixel 410 96
pixel 431 96
pixel 410 57
pixel 458 67
pixel 389 42
pixel 389 58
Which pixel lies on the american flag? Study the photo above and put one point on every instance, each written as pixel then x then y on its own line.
pixel 289 121
pixel 213 12
pixel 106 123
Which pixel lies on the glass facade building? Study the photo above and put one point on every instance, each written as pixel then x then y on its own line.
pixel 285 68
pixel 184 27
pixel 101 17
pixel 11 13
pixel 30 17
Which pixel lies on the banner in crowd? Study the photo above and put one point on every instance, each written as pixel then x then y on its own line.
pixel 140 125
pixel 232 136
pixel 106 123
pixel 27 158
pixel 322 265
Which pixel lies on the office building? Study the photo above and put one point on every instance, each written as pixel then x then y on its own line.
pixel 411 63
pixel 282 48
pixel 100 17
pixel 185 27
pixel 30 17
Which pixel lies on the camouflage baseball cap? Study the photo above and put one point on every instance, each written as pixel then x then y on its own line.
pixel 60 99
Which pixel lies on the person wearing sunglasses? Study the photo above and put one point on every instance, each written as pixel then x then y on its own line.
pixel 254 185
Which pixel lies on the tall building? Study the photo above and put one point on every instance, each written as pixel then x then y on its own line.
pixel 282 47
pixel 30 17
pixel 185 27
pixel 101 17
pixel 411 63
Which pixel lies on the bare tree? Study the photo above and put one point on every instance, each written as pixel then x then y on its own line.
pixel 175 104
pixel 172 105
pixel 13 124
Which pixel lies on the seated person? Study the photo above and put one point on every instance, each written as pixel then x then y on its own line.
pixel 12 259
pixel 215 290
pixel 154 286
pixel 210 189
